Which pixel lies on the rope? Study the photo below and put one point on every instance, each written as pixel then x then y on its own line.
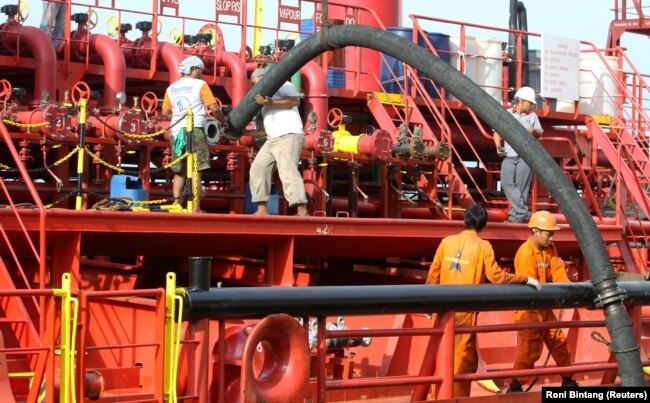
pixel 597 336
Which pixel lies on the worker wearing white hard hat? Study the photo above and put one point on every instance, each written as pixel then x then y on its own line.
pixel 516 175
pixel 190 91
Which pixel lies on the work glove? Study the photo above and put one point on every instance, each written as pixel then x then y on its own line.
pixel 533 282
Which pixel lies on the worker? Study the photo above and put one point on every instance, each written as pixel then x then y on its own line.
pixel 190 91
pixel 284 141
pixel 466 259
pixel 537 258
pixel 516 175
pixel 53 20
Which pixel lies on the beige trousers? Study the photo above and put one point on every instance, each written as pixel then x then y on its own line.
pixel 282 153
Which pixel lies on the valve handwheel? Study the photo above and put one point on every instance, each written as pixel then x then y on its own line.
pixel 92 19
pixel 5 90
pixel 335 117
pixel 176 36
pixel 23 12
pixel 80 90
pixel 149 102
pixel 113 26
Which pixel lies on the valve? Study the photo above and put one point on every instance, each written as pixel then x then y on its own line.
pixel 143 26
pixel 11 10
pixel 80 18
pixel 149 102
pixel 5 89
pixel 80 90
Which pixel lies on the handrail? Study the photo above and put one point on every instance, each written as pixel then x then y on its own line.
pixel 41 254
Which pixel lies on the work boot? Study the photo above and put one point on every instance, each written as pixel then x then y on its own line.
pixel 515 387
pixel 569 383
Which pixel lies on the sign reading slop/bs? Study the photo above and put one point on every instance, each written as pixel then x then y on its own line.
pixel 228 7
pixel 560 68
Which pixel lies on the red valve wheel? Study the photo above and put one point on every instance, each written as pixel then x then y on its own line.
pixel 80 90
pixel 335 117
pixel 5 90
pixel 149 102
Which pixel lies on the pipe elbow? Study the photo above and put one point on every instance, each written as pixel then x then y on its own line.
pixel 45 56
pixel 114 66
pixel 171 56
pixel 237 69
pixel 314 84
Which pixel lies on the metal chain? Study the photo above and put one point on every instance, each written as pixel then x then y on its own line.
pixel 5 168
pixel 65 197
pixel 133 135
pixel 25 125
pixel 129 172
pixel 126 200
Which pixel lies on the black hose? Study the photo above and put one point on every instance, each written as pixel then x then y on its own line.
pixel 610 297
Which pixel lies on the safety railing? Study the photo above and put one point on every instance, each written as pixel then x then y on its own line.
pixel 92 303
pixel 37 250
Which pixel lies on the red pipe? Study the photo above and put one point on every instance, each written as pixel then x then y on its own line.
pixel 45 57
pixel 372 208
pixel 171 55
pixel 237 72
pixel 314 85
pixel 114 68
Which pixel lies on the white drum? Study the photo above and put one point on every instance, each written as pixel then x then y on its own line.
pixel 489 66
pixel 598 88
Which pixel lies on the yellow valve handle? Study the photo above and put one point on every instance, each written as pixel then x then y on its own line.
pixel 92 19
pixel 113 26
pixel 160 27
pixel 176 36
pixel 23 11
pixel 294 36
pixel 215 36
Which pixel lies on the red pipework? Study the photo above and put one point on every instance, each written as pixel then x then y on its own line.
pixel 237 69
pixel 45 61
pixel 379 144
pixel 314 85
pixel 114 66
pixel 171 55
pixel 320 142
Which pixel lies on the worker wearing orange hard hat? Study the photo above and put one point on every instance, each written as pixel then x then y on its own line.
pixel 466 259
pixel 537 258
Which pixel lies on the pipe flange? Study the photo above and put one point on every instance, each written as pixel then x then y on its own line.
pixel 611 296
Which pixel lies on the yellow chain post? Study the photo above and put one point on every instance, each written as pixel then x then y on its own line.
pixel 189 132
pixel 67 339
pixel 80 158
pixel 168 367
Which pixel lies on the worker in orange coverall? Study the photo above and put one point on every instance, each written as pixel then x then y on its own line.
pixel 467 259
pixel 538 258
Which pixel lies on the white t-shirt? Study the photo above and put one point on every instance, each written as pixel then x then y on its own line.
pixel 192 92
pixel 281 121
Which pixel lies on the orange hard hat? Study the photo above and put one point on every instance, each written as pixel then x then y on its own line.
pixel 543 220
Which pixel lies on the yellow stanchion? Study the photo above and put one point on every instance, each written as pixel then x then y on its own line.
pixel 191 158
pixel 80 159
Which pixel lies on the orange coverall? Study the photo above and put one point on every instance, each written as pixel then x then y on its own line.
pixel 467 259
pixel 547 267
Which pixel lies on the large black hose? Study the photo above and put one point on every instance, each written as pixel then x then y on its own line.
pixel 610 297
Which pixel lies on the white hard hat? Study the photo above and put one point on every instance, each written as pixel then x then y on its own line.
pixel 192 61
pixel 526 94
